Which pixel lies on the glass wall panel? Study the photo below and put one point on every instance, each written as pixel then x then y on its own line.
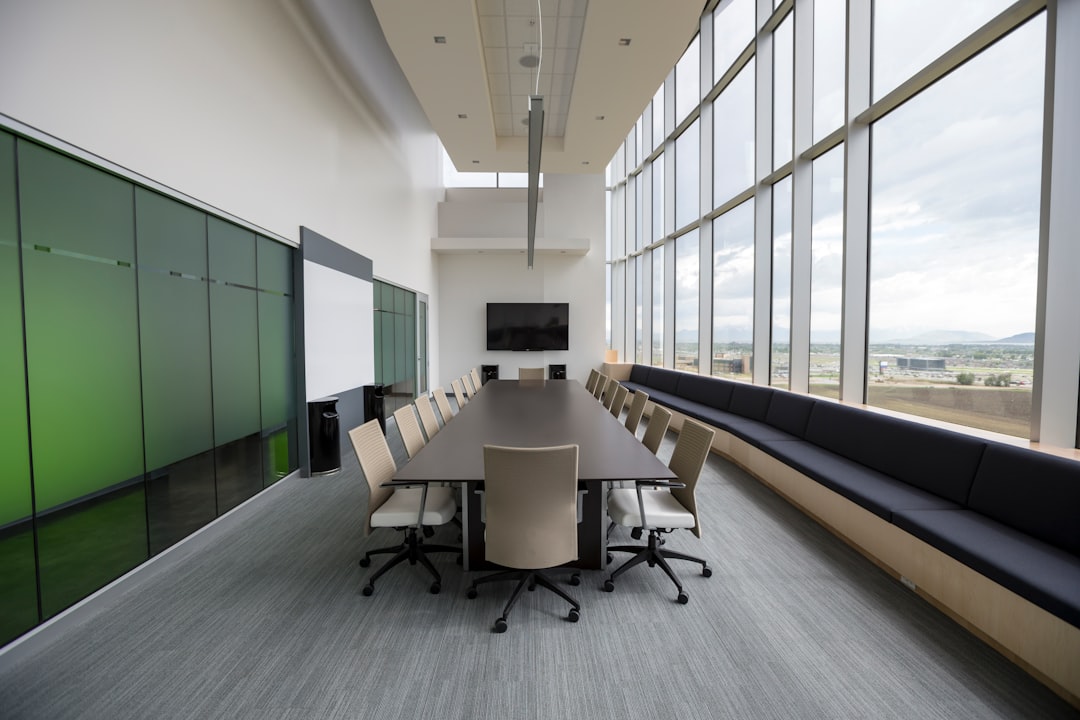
pixel 830 45
pixel 633 241
pixel 686 302
pixel 780 362
pixel 174 340
pixel 783 90
pixel 276 360
pixel 733 137
pixel 234 345
pixel 687 81
pixel 658 305
pixel 82 357
pixel 18 577
pixel 638 264
pixel 826 274
pixel 640 198
pixel 421 338
pixel 733 29
pixel 955 241
pixel 687 164
pixel 657 199
pixel 909 34
pixel 395 343
pixel 658 133
pixel 733 292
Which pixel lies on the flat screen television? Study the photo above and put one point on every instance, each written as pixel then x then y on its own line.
pixel 528 326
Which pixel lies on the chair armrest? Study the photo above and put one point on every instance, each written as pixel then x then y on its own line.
pixel 659 483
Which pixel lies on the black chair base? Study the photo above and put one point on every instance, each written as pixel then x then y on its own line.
pixel 654 555
pixel 412 549
pixel 530 579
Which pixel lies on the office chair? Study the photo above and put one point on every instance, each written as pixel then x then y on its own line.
pixel 444 404
pixel 637 408
pixel 531 373
pixel 459 394
pixel 405 419
pixel 531 498
pixel 466 383
pixel 618 401
pixel 427 416
pixel 671 505
pixel 657 428
pixel 609 392
pixel 408 506
pixel 476 379
pixel 601 383
pixel 590 384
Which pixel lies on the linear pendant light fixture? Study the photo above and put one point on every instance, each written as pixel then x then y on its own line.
pixel 536 137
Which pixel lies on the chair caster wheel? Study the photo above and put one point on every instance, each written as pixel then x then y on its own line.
pixel 574 616
pixel 500 626
pixel 435 588
pixel 683 598
pixel 610 558
pixel 428 531
pixel 532 587
pixel 471 593
pixel 706 572
pixel 609 586
pixel 365 561
pixel 575 579
pixel 367 590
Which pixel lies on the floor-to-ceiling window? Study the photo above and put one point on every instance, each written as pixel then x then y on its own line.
pixel 925 299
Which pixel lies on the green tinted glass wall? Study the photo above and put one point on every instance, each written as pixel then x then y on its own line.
pixel 276 362
pixel 82 351
pixel 174 321
pixel 18 579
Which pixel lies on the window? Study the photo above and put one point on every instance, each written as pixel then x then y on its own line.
pixel 658 305
pixel 733 137
pixel 826 273
pixel 830 43
pixel 783 90
pixel 733 292
pixel 658 132
pixel 687 162
pixel 686 302
pixel 955 241
pixel 733 29
pixel 688 81
pixel 639 263
pixel 657 198
pixel 780 362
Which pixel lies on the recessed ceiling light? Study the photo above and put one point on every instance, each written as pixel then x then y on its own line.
pixel 475 162
pixel 524 121
pixel 599 117
pixel 624 42
pixel 462 116
pixel 529 61
pixel 584 162
pixel 440 39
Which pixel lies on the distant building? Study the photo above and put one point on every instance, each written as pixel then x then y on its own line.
pixel 920 363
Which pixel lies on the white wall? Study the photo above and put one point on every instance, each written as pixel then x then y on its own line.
pixel 573 207
pixel 232 103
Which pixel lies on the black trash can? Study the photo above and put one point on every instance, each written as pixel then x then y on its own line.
pixel 374 408
pixel 324 436
pixel 556 372
pixel 488 372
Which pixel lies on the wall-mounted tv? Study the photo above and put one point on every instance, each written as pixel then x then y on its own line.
pixel 528 326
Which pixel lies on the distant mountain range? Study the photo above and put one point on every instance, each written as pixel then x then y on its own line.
pixel 961 337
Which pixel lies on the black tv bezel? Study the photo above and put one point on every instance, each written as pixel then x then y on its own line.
pixel 533 347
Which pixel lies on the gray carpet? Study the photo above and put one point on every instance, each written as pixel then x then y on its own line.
pixel 270 623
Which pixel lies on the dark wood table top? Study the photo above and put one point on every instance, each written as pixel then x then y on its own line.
pixel 534 413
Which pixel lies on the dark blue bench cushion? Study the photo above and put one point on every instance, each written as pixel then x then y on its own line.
pixel 875 491
pixel 1045 575
pixel 639 374
pixel 789 412
pixel 1035 493
pixel 938 461
pixel 664 380
pixel 710 391
pixel 750 401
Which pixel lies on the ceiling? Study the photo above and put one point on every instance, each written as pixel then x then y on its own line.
pixel 474 63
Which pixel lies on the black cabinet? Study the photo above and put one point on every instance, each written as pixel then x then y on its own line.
pixel 488 372
pixel 556 372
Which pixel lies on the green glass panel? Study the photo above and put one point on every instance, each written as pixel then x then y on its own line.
pixel 378 346
pixel 73 207
pixel 387 304
pixel 232 253
pixel 275 266
pixel 180 499
pixel 388 348
pixel 175 330
pixel 276 360
pixel 400 366
pixel 81 549
pixel 18 580
pixel 399 300
pixel 234 332
pixel 81 334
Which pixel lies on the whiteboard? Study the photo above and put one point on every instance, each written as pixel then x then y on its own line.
pixel 339 331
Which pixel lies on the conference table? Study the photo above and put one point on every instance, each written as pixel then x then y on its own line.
pixel 535 413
